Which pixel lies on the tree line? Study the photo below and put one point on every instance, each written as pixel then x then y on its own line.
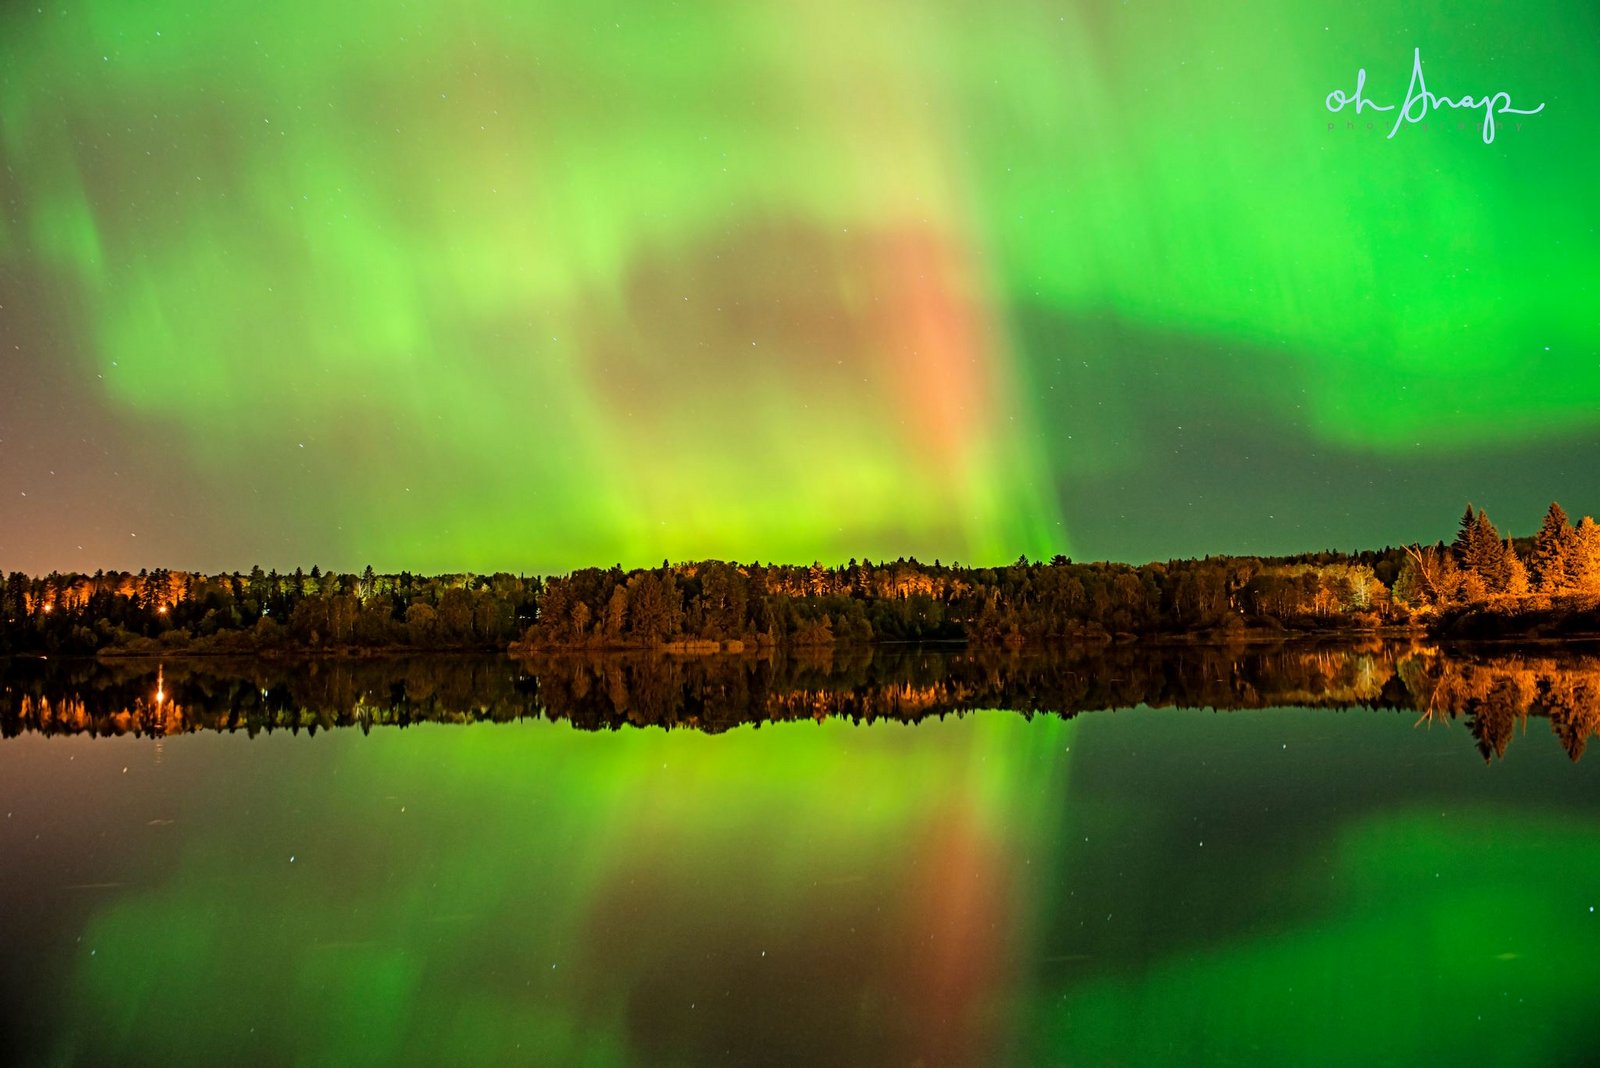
pixel 160 611
pixel 908 600
pixel 1483 566
pixel 714 605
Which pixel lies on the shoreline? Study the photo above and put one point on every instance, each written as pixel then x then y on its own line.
pixel 708 649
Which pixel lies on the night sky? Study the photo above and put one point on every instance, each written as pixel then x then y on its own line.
pixel 527 286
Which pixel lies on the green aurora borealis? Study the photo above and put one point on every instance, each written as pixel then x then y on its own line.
pixel 531 286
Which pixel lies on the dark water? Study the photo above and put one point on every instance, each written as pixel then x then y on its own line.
pixel 1381 854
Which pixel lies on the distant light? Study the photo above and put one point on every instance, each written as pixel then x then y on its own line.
pixel 49 608
pixel 162 609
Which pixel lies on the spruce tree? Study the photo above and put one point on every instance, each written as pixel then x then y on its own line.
pixel 1550 560
pixel 1481 555
pixel 1491 555
pixel 1516 572
pixel 1583 569
pixel 1461 548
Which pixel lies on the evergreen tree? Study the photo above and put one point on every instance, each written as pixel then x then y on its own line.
pixel 1583 571
pixel 1516 572
pixel 1490 555
pixel 1550 560
pixel 1481 556
pixel 1461 548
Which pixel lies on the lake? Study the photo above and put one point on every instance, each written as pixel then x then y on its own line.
pixel 1379 853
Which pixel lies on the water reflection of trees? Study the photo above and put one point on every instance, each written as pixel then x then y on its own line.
pixel 1498 694
pixel 1494 694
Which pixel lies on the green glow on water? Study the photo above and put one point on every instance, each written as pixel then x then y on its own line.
pixel 1472 942
pixel 1293 886
pixel 561 893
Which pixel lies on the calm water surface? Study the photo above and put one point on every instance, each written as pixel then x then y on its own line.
pixel 1363 855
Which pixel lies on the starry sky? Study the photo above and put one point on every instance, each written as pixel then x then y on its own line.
pixel 491 285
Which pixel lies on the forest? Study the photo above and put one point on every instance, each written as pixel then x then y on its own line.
pixel 1483 583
